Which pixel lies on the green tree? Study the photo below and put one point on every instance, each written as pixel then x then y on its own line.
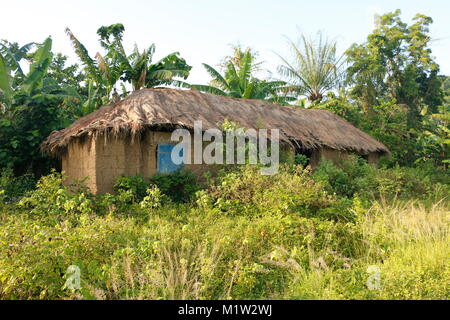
pixel 238 81
pixel 142 73
pixel 74 82
pixel 314 69
pixel 396 64
pixel 108 71
pixel 32 108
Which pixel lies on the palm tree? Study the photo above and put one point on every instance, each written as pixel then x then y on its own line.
pixel 139 70
pixel 238 81
pixel 102 72
pixel 106 71
pixel 314 69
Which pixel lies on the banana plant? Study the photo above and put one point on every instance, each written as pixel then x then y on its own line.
pixel 29 83
pixel 238 81
pixel 38 69
pixel 5 83
pixel 91 68
pixel 90 104
pixel 115 67
pixel 33 106
pixel 139 70
pixel 13 54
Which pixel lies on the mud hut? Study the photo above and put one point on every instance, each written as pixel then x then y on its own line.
pixel 132 136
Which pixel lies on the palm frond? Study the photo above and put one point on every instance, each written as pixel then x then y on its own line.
pixel 83 55
pixel 208 89
pixel 315 67
pixel 217 77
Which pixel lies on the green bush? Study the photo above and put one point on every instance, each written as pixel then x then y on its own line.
pixel 180 186
pixel 15 187
pixel 135 186
pixel 356 177
pixel 246 191
pixel 301 159
pixel 54 200
pixel 154 199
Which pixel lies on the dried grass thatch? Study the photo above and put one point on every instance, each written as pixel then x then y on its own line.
pixel 170 108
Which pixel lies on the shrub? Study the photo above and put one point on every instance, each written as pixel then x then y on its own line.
pixel 301 159
pixel 34 265
pixel 15 187
pixel 180 186
pixel 355 176
pixel 351 177
pixel 154 199
pixel 135 186
pixel 52 199
pixel 291 191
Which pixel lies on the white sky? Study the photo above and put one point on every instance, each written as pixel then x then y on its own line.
pixel 203 30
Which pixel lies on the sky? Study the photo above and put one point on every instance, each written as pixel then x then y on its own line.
pixel 203 31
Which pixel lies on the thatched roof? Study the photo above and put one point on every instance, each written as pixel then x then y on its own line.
pixel 163 108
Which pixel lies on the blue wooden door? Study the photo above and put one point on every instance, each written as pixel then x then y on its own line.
pixel 165 163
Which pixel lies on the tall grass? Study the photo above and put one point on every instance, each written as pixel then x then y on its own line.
pixel 410 244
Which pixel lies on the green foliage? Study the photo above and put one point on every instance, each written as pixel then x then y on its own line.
pixel 136 186
pixel 239 82
pixel 396 63
pixel 394 80
pixel 301 159
pixel 52 201
pixel 33 109
pixel 412 245
pixel 106 72
pixel 356 177
pixel 154 199
pixel 433 142
pixel 15 187
pixel 5 82
pixel 244 191
pixel 246 236
pixel 179 186
pixel 315 68
pixel 387 122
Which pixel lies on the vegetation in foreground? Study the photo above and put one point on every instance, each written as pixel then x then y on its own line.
pixel 294 235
